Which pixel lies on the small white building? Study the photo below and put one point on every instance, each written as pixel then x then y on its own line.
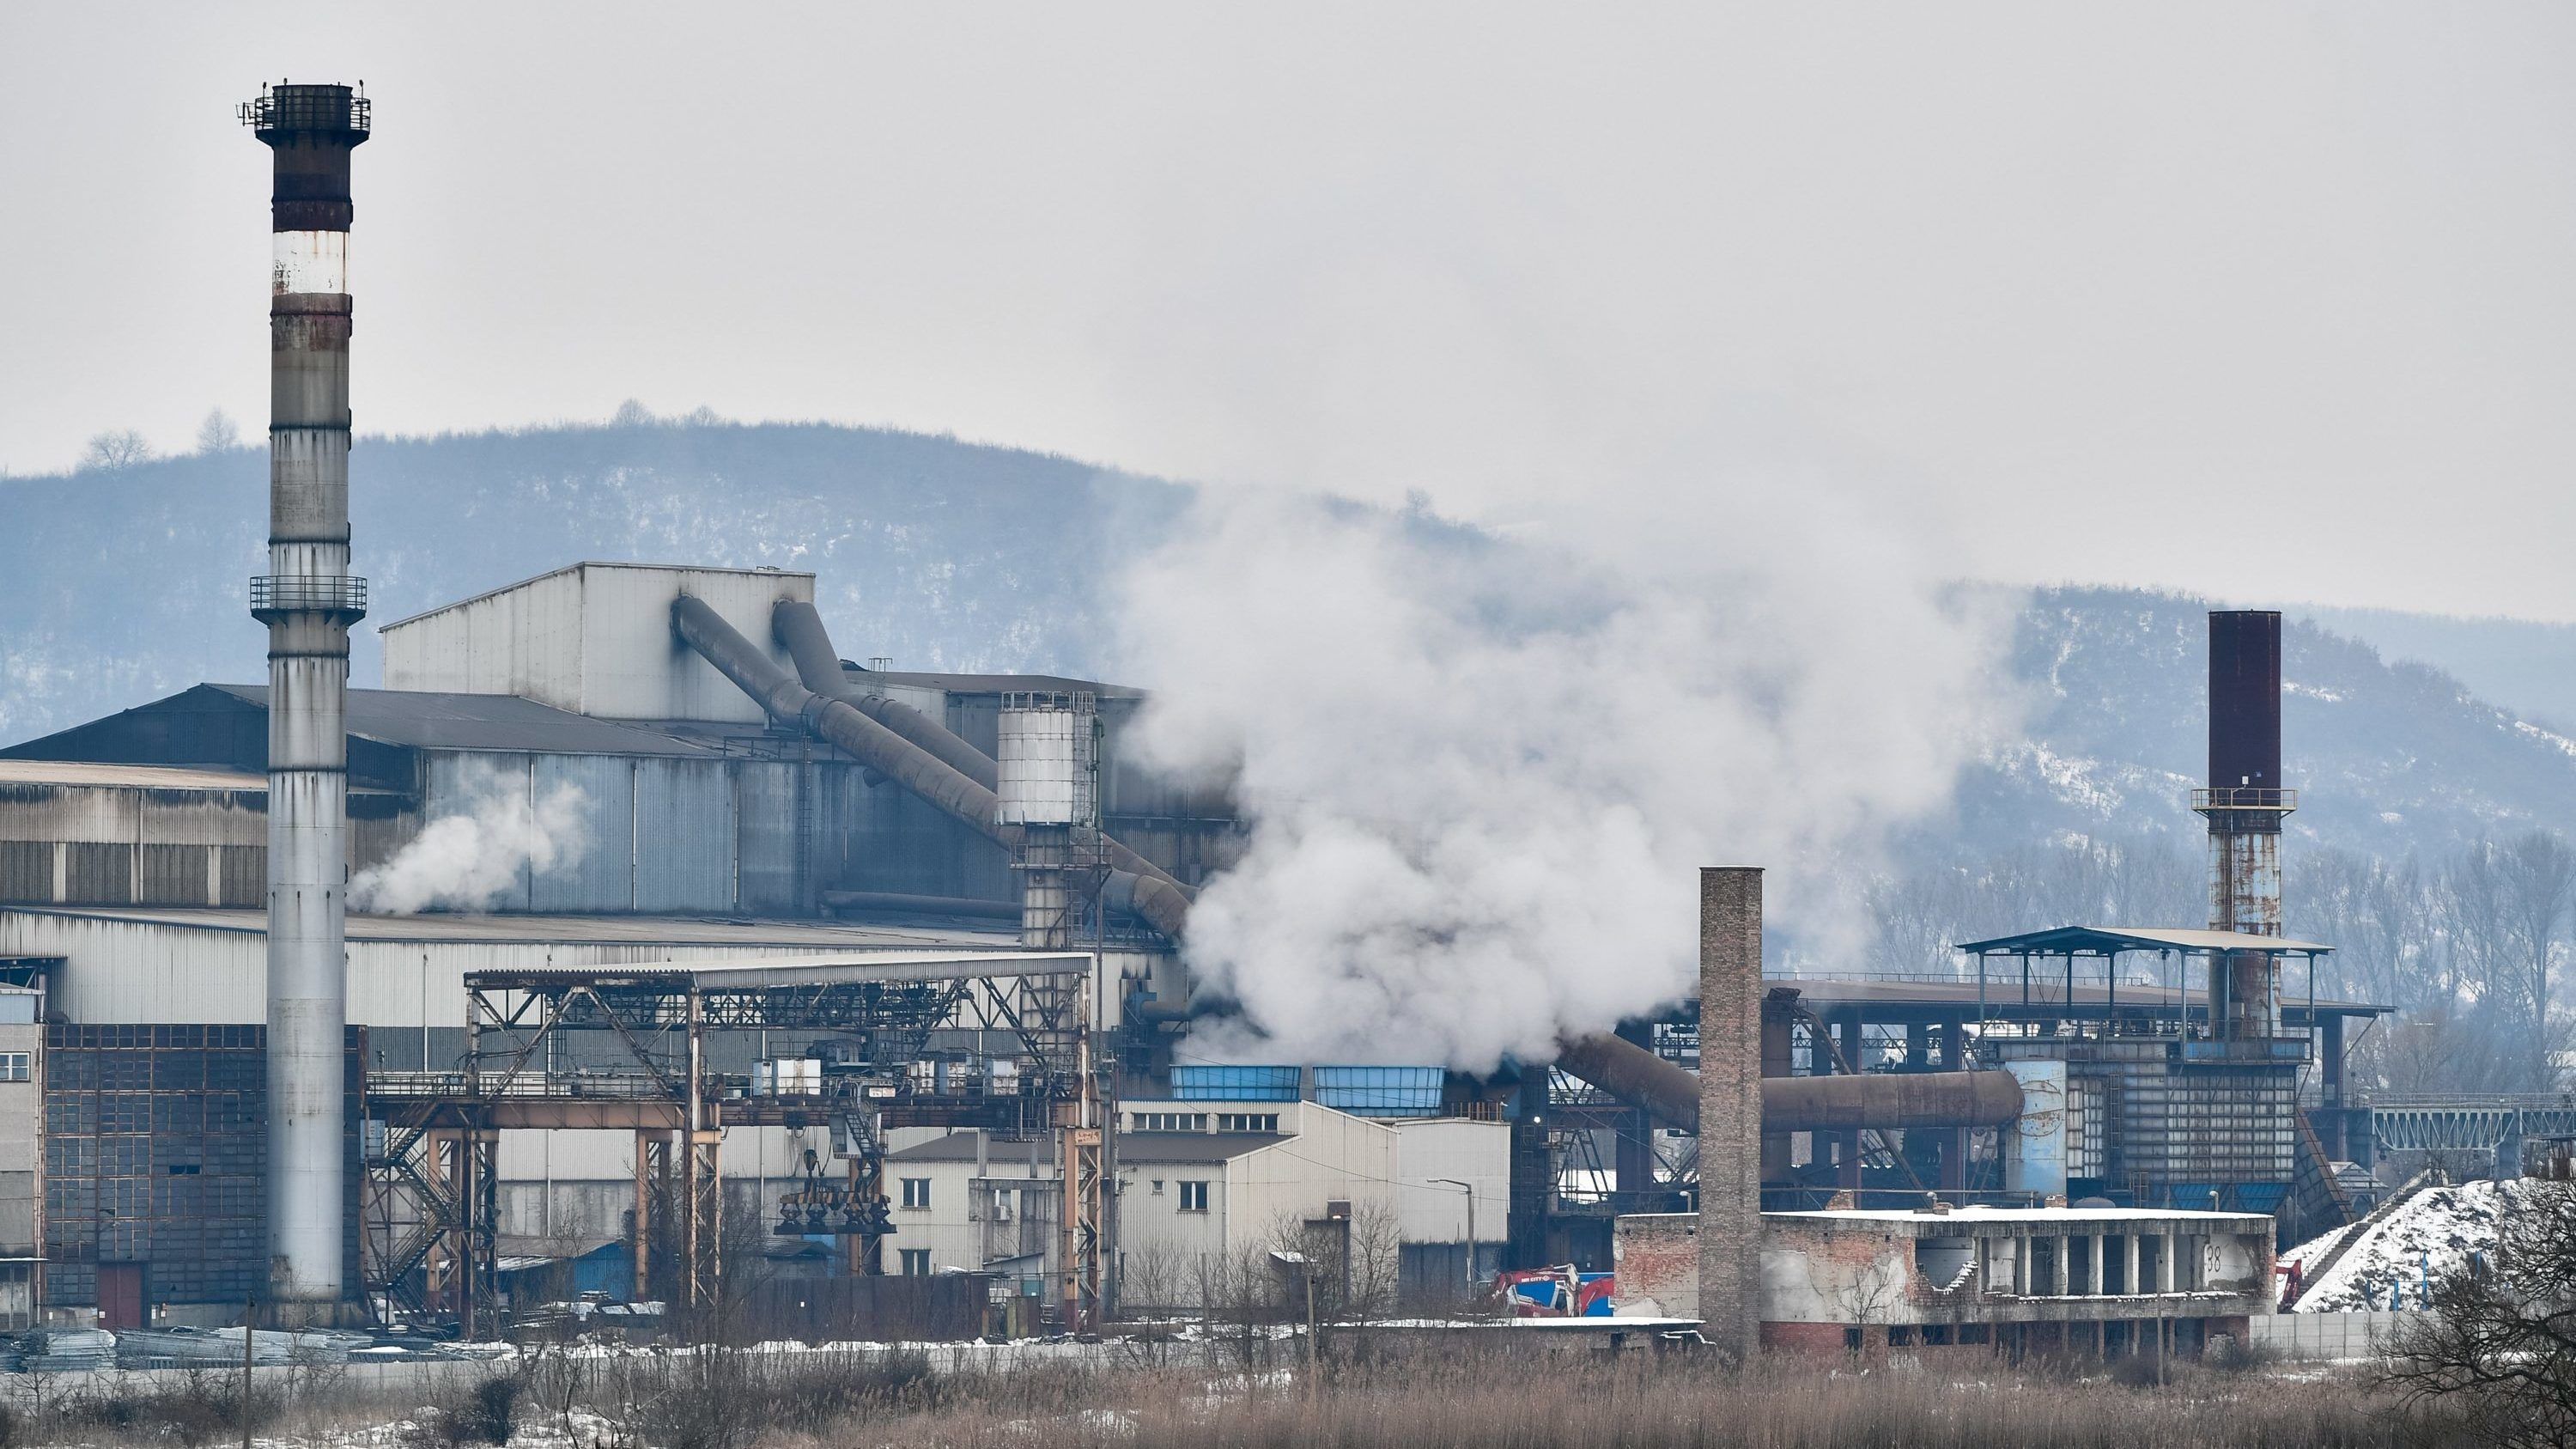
pixel 1204 1186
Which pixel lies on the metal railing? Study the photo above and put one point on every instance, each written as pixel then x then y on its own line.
pixel 2455 1101
pixel 2245 797
pixel 582 1085
pixel 309 108
pixel 290 593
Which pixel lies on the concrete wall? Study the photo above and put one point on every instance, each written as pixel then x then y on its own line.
pixel 594 638
pixel 1656 1258
pixel 1337 1157
pixel 2327 1337
pixel 22 1158
pixel 1254 1199
pixel 1450 1147
pixel 1832 1269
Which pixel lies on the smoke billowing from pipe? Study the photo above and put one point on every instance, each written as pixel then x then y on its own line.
pixel 471 859
pixel 1479 776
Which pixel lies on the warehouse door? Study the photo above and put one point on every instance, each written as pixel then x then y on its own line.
pixel 120 1296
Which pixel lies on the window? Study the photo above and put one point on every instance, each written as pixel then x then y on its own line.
pixel 916 1192
pixel 1247 1121
pixel 1167 1122
pixel 916 1262
pixel 1194 1197
pixel 14 1066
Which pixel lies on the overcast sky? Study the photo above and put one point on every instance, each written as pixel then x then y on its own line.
pixel 2264 300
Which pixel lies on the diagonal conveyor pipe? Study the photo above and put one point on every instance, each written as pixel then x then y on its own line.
pixel 1624 1069
pixel 1164 905
pixel 818 664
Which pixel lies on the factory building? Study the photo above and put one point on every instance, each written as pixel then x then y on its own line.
pixel 629 906
pixel 2024 1280
pixel 682 824
pixel 1205 1186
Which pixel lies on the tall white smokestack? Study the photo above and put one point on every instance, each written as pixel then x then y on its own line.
pixel 308 600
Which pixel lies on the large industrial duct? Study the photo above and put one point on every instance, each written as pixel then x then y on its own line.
pixel 308 600
pixel 818 664
pixel 1628 1071
pixel 1164 905
pixel 1893 1101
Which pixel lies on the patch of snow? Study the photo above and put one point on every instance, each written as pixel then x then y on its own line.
pixel 2551 738
pixel 2432 1235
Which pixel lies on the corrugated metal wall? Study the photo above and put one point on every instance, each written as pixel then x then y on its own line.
pixel 127 845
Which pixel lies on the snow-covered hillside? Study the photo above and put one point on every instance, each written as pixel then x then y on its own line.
pixel 126 585
pixel 2431 1234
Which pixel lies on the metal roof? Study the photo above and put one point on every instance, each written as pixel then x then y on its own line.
pixel 422 719
pixel 1950 998
pixel 2111 940
pixel 1135 1149
pixel 138 777
pixel 805 938
pixel 989 683
pixel 132 777
pixel 841 969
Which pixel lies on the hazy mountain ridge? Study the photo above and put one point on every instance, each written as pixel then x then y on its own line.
pixel 2387 757
pixel 127 585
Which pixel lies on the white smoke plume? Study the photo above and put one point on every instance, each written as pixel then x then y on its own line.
pixel 1480 776
pixel 467 861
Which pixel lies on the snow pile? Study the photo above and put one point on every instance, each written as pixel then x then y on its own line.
pixel 2432 1234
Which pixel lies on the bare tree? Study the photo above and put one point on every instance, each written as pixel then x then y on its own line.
pixel 115 449
pixel 2499 1346
pixel 217 433
pixel 2509 906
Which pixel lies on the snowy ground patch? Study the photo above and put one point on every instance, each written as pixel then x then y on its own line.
pixel 2434 1233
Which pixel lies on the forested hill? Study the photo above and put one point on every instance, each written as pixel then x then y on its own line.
pixel 2387 757
pixel 120 585
pixel 125 584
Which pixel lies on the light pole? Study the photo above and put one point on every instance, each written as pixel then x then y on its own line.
pixel 1468 1188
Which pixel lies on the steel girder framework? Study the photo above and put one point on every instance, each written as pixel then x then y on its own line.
pixel 2469 1124
pixel 430 1239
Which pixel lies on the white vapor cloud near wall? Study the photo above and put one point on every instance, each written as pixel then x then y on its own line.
pixel 468 859
pixel 1480 775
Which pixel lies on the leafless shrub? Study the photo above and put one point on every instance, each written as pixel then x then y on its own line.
pixel 2497 1347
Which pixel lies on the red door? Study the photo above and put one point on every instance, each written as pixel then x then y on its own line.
pixel 120 1295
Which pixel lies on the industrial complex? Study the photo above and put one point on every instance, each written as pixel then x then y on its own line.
pixel 632 946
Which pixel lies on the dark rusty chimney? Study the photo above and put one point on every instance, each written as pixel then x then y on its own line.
pixel 2244 804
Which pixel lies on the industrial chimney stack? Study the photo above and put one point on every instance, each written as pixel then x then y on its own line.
pixel 308 600
pixel 2244 804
